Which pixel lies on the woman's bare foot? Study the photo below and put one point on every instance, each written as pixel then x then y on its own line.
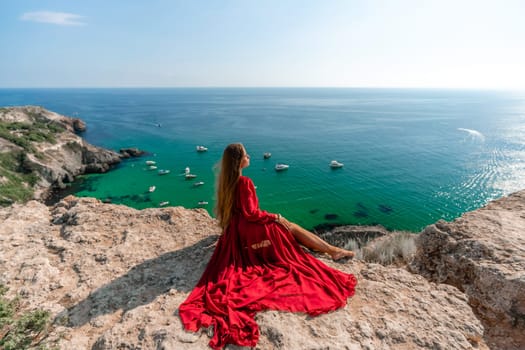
pixel 340 253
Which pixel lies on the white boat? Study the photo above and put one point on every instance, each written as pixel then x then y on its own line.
pixel 152 188
pixel 267 155
pixel 202 203
pixel 187 170
pixel 281 167
pixel 162 204
pixel 150 162
pixel 199 183
pixel 202 149
pixel 152 167
pixel 336 164
pixel 163 172
pixel 190 176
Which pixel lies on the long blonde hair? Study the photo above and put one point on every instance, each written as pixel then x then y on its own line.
pixel 229 173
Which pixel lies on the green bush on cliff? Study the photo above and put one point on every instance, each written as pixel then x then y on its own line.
pixel 23 134
pixel 16 180
pixel 21 330
pixel 18 175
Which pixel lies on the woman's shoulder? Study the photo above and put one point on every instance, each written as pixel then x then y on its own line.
pixel 245 180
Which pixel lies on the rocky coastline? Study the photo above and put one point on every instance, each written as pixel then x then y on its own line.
pixel 112 277
pixel 54 155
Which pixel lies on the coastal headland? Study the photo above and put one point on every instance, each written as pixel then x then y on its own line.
pixel 42 151
pixel 112 277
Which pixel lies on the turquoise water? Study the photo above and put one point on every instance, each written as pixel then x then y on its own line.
pixel 410 156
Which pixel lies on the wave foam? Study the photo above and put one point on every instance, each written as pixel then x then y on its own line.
pixel 474 133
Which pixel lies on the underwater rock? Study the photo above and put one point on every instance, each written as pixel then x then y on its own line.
pixel 385 208
pixel 331 216
pixel 361 206
pixel 360 214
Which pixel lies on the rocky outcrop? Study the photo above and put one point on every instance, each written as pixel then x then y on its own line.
pixel 59 162
pixel 340 235
pixel 113 278
pixel 483 254
pixel 131 152
pixel 78 125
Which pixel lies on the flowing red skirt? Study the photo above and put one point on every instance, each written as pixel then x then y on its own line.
pixel 256 267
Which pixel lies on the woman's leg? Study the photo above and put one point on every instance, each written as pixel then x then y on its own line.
pixel 312 241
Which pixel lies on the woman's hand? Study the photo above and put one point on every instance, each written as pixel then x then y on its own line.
pixel 285 223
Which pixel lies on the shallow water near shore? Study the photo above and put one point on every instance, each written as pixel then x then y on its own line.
pixel 411 157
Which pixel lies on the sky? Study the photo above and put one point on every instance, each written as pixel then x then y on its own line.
pixel 263 43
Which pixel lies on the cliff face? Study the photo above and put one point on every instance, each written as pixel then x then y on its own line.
pixel 49 148
pixel 483 254
pixel 113 277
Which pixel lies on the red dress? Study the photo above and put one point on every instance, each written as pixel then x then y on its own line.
pixel 258 265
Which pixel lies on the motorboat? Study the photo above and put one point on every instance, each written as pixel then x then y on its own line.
pixel 152 167
pixel 335 164
pixel 163 172
pixel 281 167
pixel 199 183
pixel 202 149
pixel 267 155
pixel 152 188
pixel 163 204
pixel 202 203
pixel 150 162
pixel 190 176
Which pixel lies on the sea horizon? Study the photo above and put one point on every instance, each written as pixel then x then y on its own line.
pixel 411 156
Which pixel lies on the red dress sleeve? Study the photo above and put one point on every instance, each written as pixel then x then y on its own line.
pixel 248 203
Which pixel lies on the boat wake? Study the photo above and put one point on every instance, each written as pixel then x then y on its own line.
pixel 473 134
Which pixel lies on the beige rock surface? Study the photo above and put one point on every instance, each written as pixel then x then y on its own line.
pixel 113 278
pixel 483 254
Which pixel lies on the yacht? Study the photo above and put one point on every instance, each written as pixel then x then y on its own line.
pixel 150 162
pixel 267 155
pixel 281 167
pixel 162 204
pixel 199 183
pixel 336 164
pixel 152 188
pixel 163 172
pixel 202 149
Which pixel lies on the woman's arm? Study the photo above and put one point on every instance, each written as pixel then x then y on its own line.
pixel 249 203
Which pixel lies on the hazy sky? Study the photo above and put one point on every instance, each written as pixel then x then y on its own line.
pixel 346 43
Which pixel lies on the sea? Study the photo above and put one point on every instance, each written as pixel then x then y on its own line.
pixel 411 156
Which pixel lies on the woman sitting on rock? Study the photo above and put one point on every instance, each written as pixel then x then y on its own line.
pixel 258 264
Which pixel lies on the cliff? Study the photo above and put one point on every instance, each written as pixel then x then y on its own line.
pixel 113 278
pixel 483 255
pixel 40 151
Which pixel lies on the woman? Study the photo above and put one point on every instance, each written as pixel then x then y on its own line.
pixel 258 264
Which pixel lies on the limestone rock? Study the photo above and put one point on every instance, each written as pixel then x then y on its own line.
pixel 113 278
pixel 78 125
pixel 483 254
pixel 340 235
pixel 131 152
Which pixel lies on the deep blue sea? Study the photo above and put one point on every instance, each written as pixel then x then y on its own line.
pixel 410 156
